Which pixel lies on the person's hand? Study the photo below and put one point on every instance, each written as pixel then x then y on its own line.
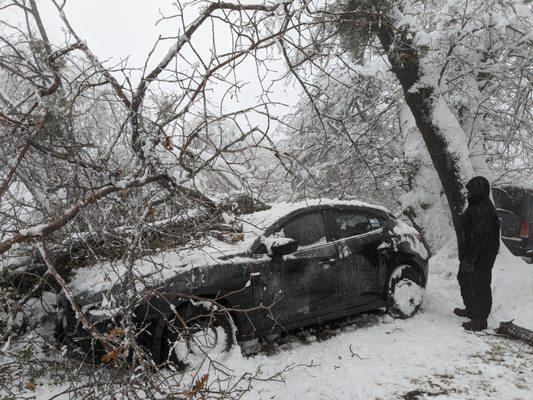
pixel 466 266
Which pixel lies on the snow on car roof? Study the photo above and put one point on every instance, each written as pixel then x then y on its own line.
pixel 261 220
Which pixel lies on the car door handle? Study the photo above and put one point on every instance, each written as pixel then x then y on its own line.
pixel 327 263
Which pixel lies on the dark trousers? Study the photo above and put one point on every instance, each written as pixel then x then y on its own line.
pixel 476 291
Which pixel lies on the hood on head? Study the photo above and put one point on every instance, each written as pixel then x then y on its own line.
pixel 478 188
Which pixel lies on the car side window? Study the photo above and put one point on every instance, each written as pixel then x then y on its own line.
pixel 352 224
pixel 307 229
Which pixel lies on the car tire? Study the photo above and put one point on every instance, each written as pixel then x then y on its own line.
pixel 208 330
pixel 405 292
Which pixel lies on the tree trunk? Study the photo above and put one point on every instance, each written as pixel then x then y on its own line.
pixel 405 59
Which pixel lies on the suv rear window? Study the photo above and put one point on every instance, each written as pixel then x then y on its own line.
pixel 509 198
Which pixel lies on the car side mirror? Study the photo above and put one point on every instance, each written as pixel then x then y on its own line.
pixel 283 247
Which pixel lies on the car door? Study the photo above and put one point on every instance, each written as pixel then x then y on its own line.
pixel 358 236
pixel 304 284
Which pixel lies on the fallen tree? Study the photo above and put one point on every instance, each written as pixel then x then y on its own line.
pixel 86 248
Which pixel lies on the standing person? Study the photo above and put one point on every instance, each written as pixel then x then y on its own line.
pixel 480 242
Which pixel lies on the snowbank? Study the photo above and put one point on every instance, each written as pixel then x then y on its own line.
pixel 512 285
pixel 512 282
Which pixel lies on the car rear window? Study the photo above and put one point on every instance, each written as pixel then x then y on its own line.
pixel 510 199
pixel 352 224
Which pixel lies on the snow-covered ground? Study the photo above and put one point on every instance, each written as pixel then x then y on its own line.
pixel 383 358
pixel 377 357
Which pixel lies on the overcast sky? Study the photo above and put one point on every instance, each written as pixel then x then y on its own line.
pixel 126 29
pixel 114 28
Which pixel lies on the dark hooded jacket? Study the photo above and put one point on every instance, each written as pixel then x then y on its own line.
pixel 480 226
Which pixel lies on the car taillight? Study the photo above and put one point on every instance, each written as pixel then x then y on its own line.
pixel 524 230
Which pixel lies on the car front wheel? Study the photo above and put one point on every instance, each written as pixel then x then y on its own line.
pixel 405 292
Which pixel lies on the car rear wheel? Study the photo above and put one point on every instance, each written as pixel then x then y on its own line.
pixel 405 292
pixel 199 330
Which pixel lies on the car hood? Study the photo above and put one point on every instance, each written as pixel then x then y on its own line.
pixel 90 283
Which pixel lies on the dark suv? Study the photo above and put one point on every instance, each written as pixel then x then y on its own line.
pixel 514 206
pixel 297 264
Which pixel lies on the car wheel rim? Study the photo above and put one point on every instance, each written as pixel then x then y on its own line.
pixel 407 296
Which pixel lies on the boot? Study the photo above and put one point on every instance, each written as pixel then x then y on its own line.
pixel 461 312
pixel 475 325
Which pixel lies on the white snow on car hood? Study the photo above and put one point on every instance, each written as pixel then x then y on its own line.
pixel 154 269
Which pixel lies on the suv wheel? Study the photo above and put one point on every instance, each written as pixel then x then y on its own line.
pixel 405 293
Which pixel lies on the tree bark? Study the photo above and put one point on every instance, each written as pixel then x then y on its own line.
pixel 405 60
pixel 516 332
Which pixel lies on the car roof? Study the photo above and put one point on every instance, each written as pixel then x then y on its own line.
pixel 280 212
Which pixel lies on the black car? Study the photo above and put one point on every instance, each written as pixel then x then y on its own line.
pixel 514 206
pixel 297 265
